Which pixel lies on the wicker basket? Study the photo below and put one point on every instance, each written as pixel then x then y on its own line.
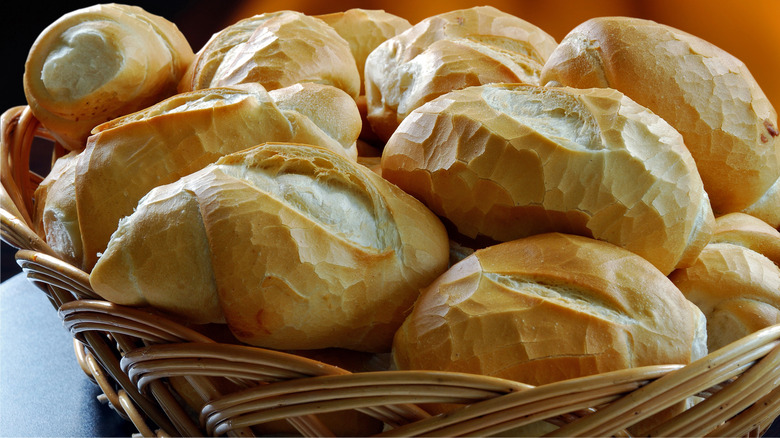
pixel 169 379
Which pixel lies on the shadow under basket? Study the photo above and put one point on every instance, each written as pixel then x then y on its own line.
pixel 169 379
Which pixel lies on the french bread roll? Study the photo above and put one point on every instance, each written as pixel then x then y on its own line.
pixel 308 250
pixel 129 156
pixel 100 62
pixel 276 50
pixel 547 308
pixel 748 231
pixel 737 288
pixel 447 52
pixel 364 30
pixel 708 95
pixel 504 161
pixel 56 216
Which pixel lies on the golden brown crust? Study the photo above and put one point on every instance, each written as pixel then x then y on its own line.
pixel 133 271
pixel 142 57
pixel 364 30
pixel 129 156
pixel 504 161
pixel 450 51
pixel 750 232
pixel 707 94
pixel 308 249
pixel 56 215
pixel 737 288
pixel 276 50
pixel 547 308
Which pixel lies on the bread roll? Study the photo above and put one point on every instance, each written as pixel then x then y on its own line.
pixel 737 288
pixel 97 63
pixel 446 52
pixel 163 260
pixel 708 95
pixel 56 216
pixel 129 156
pixel 276 50
pixel 308 249
pixel 748 231
pixel 504 161
pixel 364 30
pixel 547 308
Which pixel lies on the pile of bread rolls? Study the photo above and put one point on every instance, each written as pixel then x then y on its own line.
pixel 464 192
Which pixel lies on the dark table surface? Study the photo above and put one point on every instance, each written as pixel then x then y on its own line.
pixel 43 391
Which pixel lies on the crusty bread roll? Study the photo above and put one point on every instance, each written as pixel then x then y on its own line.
pixel 748 231
pixel 276 50
pixel 308 250
pixel 446 52
pixel 504 161
pixel 97 63
pixel 707 94
pixel 737 288
pixel 56 216
pixel 129 156
pixel 163 260
pixel 548 308
pixel 364 30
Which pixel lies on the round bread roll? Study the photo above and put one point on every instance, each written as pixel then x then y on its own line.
pixel 364 30
pixel 708 95
pixel 737 288
pixel 504 161
pixel 56 216
pixel 305 249
pixel 276 50
pixel 97 63
pixel 129 156
pixel 748 231
pixel 547 308
pixel 447 52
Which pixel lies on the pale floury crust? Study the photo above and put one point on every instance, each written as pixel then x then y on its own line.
pixel 504 161
pixel 446 52
pixel 307 249
pixel 142 57
pixel 129 156
pixel 707 94
pixel 547 308
pixel 276 50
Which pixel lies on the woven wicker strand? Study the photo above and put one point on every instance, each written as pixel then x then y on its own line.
pixel 726 363
pixel 585 392
pixel 140 358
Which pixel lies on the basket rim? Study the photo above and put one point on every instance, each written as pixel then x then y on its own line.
pixel 139 349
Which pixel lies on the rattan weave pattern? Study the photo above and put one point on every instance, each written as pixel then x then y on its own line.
pixel 144 362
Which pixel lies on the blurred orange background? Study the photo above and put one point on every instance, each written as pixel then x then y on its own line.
pixel 748 29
